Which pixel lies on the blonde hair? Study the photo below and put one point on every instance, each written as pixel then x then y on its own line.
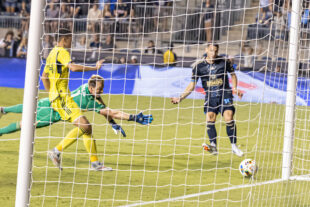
pixel 92 81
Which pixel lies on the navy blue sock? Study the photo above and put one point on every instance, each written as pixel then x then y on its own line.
pixel 231 130
pixel 211 132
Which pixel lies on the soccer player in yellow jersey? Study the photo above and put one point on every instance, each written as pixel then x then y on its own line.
pixel 55 79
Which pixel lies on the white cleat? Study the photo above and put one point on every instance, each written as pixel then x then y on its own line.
pixel 55 157
pixel 98 166
pixel 210 148
pixel 236 151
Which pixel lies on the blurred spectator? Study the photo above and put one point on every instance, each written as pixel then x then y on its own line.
pixel 123 60
pixel 24 14
pixel 107 12
pixel 52 13
pixel 107 15
pixel 247 52
pixel 151 49
pixel 133 59
pixel 75 7
pixel 96 42
pixel 121 10
pixel 47 45
pixel 22 48
pixel 10 5
pixel 278 69
pixel 81 44
pixel 112 5
pixel 109 43
pixel 170 57
pixel 208 18
pixel 265 7
pixel 279 26
pixel 7 43
pixel 102 4
pixel 65 17
pixel 278 4
pixel 93 18
pixel 17 41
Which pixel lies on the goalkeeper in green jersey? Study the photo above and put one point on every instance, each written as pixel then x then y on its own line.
pixel 88 98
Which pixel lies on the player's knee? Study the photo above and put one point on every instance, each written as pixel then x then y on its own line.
pixel 228 116
pixel 87 128
pixel 211 117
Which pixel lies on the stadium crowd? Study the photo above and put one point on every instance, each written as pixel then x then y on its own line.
pixel 117 15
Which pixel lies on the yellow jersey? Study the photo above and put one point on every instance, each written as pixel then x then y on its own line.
pixel 58 72
pixel 169 57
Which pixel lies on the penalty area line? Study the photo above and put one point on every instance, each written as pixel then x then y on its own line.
pixel 204 193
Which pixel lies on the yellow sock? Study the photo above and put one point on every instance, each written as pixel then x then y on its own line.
pixel 90 146
pixel 69 139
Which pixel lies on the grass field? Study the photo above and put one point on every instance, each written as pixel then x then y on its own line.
pixel 163 160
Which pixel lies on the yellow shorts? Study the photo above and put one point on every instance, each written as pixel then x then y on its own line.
pixel 67 108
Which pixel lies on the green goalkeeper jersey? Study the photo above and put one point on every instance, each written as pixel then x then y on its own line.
pixel 85 100
pixel 46 115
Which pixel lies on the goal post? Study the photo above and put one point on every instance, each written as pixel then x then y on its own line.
pixel 29 105
pixel 291 90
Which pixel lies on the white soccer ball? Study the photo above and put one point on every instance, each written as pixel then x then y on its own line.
pixel 248 168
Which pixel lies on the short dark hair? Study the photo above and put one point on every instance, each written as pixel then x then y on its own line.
pixel 213 44
pixel 92 81
pixel 170 46
pixel 10 32
pixel 62 33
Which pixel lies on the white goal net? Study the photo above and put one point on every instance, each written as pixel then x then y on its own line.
pixel 149 49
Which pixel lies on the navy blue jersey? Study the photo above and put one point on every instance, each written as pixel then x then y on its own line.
pixel 214 77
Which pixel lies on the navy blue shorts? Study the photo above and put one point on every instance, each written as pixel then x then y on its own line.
pixel 218 105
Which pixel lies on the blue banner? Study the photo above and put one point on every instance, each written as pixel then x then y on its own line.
pixel 165 82
pixel 279 81
pixel 119 79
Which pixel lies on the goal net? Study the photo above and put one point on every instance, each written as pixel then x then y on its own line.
pixel 163 163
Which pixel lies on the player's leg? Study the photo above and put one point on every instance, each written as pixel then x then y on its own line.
pixel 212 134
pixel 231 130
pixel 211 110
pixel 45 117
pixel 90 143
pixel 11 109
pixel 71 112
pixel 13 127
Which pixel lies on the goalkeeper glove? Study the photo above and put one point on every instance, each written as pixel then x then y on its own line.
pixel 117 128
pixel 141 119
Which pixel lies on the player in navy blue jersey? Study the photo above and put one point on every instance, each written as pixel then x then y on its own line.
pixel 213 72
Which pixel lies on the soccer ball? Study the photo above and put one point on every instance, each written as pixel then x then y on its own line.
pixel 248 168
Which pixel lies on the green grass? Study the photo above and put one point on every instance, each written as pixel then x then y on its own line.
pixel 163 160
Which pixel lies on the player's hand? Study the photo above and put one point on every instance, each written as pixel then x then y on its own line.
pixel 239 93
pixel 117 128
pixel 141 118
pixel 175 100
pixel 99 63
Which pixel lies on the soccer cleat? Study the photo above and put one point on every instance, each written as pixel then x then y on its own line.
pixel 210 148
pixel 55 157
pixel 236 151
pixel 98 166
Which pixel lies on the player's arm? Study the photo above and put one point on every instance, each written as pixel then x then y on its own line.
pixel 46 81
pixel 111 114
pixel 234 81
pixel 189 89
pixel 81 68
